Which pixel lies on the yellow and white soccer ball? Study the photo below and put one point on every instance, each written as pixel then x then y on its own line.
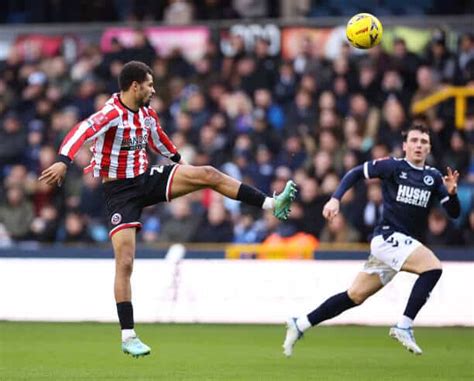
pixel 364 31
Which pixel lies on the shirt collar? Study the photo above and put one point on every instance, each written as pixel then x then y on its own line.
pixel 414 166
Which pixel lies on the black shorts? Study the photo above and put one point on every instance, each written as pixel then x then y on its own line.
pixel 126 198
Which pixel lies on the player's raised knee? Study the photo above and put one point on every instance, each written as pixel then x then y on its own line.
pixel 357 296
pixel 211 176
pixel 431 262
pixel 437 265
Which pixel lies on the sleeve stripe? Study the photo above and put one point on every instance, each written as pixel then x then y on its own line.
pixel 159 140
pixel 444 200
pixel 366 170
pixel 81 130
pixel 161 147
pixel 86 131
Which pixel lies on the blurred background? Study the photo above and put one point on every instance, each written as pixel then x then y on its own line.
pixel 265 91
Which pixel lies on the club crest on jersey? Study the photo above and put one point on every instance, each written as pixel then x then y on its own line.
pixel 116 219
pixel 149 122
pixel 428 180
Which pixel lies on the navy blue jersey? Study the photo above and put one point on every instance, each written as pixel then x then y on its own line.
pixel 408 194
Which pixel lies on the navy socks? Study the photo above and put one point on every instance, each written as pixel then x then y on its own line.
pixel 331 307
pixel 421 292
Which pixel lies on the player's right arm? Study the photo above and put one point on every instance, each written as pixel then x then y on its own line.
pixel 90 128
pixel 380 168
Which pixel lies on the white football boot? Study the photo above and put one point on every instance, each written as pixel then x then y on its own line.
pixel 293 334
pixel 406 337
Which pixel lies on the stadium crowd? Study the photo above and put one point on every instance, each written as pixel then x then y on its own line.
pixel 186 11
pixel 260 118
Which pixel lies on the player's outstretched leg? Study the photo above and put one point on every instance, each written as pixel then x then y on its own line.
pixel 189 178
pixel 283 201
pixel 330 308
pixel 406 337
pixel 133 346
pixel 363 287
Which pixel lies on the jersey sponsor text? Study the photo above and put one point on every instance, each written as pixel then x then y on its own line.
pixel 413 196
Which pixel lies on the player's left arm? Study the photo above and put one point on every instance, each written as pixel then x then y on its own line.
pixel 331 208
pixel 447 191
pixel 161 143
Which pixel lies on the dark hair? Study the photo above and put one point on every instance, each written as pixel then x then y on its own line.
pixel 416 127
pixel 133 71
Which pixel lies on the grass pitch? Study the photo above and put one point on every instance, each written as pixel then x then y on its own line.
pixel 66 351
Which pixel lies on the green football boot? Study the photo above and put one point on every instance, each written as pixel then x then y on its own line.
pixel 283 201
pixel 134 347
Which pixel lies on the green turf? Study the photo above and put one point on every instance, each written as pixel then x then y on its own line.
pixel 49 351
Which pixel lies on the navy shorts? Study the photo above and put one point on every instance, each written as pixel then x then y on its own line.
pixel 126 198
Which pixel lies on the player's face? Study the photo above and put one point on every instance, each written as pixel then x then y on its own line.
pixel 417 147
pixel 145 91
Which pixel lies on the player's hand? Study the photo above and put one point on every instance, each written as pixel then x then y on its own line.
pixel 451 181
pixel 54 174
pixel 331 209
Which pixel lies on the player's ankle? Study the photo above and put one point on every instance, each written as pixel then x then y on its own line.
pixel 302 323
pixel 128 334
pixel 269 203
pixel 405 322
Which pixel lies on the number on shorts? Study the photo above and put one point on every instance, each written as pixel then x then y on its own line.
pixel 157 168
pixel 392 241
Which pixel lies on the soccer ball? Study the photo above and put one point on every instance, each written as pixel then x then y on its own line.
pixel 364 31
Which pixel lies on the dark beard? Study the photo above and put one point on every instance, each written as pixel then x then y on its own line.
pixel 145 103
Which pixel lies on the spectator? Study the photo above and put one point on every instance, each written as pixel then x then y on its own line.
pixel 216 226
pixel 441 232
pixel 373 209
pixel 45 226
pixel 458 154
pixel 181 224
pixel 273 113
pixel 16 214
pixel 13 140
pixel 285 84
pixel 301 116
pixel 440 58
pixel 405 62
pixel 178 12
pixel 394 123
pixel 468 232
pixel 339 231
pixel 74 229
pixel 312 202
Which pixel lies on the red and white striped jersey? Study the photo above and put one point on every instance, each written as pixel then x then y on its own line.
pixel 120 137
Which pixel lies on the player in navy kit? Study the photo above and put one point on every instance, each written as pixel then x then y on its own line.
pixel 410 189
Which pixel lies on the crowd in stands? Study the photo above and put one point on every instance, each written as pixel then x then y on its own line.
pixel 187 11
pixel 259 118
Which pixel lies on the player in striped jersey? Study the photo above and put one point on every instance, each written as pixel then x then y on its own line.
pixel 120 133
